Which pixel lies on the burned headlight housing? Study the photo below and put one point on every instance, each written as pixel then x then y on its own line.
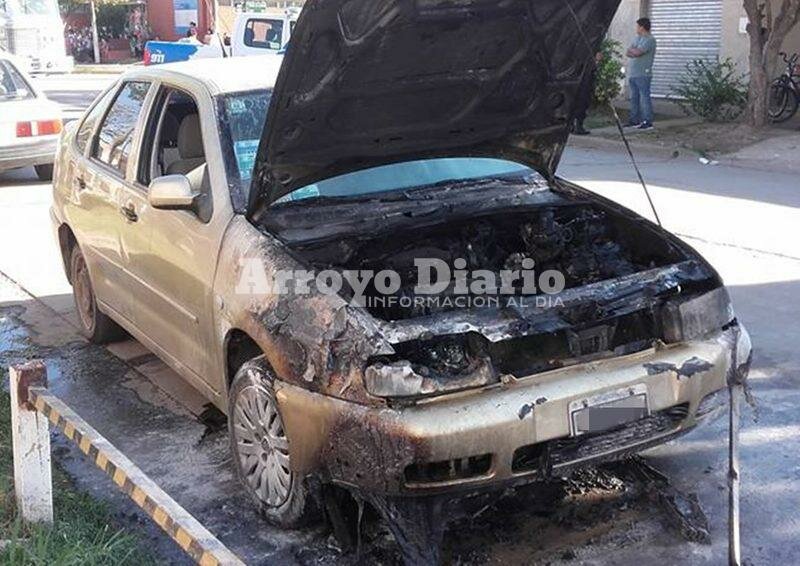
pixel 429 367
pixel 684 319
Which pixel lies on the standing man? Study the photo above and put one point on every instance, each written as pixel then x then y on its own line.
pixel 585 96
pixel 641 54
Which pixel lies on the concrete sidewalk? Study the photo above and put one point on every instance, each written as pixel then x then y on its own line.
pixel 775 154
pixel 778 152
pixel 103 68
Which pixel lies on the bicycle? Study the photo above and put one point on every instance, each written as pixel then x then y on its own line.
pixel 784 93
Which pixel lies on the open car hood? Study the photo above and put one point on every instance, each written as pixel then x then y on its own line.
pixel 371 82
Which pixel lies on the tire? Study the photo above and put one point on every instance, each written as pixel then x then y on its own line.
pixel 260 447
pixel 95 325
pixel 783 101
pixel 44 172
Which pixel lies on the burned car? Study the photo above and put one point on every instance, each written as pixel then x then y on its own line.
pixel 271 228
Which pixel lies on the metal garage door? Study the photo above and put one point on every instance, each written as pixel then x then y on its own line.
pixel 685 30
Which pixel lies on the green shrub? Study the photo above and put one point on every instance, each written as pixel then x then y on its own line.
pixel 713 90
pixel 609 73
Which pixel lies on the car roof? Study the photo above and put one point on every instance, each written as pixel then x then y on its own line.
pixel 220 75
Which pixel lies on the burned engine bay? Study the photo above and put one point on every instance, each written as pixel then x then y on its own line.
pixel 618 271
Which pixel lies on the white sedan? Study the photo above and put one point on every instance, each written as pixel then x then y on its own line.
pixel 30 124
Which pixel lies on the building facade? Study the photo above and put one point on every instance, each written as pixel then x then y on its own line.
pixel 170 19
pixel 691 29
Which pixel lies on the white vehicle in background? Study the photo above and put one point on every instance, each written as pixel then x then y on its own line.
pixel 254 33
pixel 33 31
pixel 257 32
pixel 30 124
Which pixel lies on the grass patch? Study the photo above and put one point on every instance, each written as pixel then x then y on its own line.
pixel 83 531
pixel 601 118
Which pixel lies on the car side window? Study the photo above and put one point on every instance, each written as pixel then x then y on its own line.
pixel 87 127
pixel 173 138
pixel 172 144
pixel 113 144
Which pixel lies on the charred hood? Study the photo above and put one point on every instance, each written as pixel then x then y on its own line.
pixel 371 82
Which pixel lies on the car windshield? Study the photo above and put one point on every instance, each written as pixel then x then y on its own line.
pixel 406 175
pixel 241 118
pixel 242 122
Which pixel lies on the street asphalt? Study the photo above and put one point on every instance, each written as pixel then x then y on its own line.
pixel 74 92
pixel 745 222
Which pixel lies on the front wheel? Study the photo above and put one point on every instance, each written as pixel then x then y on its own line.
pixel 783 101
pixel 260 447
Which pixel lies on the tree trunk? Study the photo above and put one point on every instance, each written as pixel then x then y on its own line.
pixel 766 38
pixel 95 37
pixel 757 96
pixel 757 91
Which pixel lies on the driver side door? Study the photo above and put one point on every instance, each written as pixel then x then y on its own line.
pixel 173 253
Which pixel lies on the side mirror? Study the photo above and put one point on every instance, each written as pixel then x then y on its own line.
pixel 172 192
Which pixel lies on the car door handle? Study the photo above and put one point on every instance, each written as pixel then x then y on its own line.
pixel 81 183
pixel 129 213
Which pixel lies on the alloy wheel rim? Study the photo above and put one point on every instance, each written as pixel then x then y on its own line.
pixel 261 445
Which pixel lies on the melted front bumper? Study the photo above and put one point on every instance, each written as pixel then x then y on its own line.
pixel 508 433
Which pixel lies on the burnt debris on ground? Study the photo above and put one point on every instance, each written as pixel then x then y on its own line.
pixel 561 517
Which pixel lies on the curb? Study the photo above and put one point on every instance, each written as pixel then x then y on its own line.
pixel 765 165
pixel 32 406
pixel 639 149
pixel 660 152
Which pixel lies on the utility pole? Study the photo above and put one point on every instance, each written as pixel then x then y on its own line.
pixel 95 38
pixel 216 16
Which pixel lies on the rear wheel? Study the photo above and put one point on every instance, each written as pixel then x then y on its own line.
pixel 260 447
pixel 95 325
pixel 44 172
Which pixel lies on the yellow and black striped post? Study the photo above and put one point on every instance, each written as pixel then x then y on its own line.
pixel 192 537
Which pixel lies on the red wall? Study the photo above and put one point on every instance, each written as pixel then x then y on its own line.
pixel 77 21
pixel 161 15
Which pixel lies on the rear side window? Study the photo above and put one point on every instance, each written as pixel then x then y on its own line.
pixel 87 126
pixel 113 145
pixel 12 85
pixel 263 33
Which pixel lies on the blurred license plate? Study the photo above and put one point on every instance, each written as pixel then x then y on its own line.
pixel 608 410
